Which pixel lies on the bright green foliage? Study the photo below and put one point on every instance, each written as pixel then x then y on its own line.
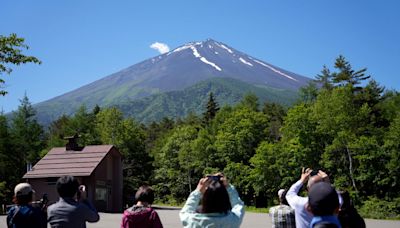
pixel 379 208
pixel 176 162
pixel 239 135
pixel 392 149
pixel 11 54
pixel 300 135
pixel 128 136
pixel 109 126
pixel 83 123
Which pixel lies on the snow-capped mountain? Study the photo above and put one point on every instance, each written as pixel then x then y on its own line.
pixel 197 61
pixel 178 69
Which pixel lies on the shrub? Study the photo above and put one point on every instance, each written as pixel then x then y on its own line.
pixel 381 209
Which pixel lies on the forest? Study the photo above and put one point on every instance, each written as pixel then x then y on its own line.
pixel 344 123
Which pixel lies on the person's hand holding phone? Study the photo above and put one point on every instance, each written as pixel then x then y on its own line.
pixel 305 174
pixel 81 193
pixel 203 183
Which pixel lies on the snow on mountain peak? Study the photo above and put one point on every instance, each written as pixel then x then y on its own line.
pixel 245 62
pixel 186 46
pixel 275 70
pixel 224 47
pixel 204 60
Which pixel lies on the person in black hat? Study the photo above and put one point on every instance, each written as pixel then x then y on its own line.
pixel 323 203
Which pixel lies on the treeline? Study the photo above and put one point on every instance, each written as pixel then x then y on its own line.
pixel 345 124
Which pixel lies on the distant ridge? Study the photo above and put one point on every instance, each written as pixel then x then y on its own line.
pixel 181 68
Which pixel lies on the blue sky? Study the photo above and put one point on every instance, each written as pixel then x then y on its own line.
pixel 82 41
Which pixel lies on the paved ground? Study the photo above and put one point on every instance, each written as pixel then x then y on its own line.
pixel 170 219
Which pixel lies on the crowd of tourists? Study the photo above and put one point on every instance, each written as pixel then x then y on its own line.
pixel 214 203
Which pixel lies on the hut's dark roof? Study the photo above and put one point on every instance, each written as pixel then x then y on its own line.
pixel 58 162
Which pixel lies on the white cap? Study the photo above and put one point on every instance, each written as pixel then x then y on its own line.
pixel 280 192
pixel 23 189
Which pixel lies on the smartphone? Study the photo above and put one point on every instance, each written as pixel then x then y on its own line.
pixel 314 172
pixel 81 190
pixel 214 178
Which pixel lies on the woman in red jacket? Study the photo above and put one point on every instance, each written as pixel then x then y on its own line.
pixel 142 214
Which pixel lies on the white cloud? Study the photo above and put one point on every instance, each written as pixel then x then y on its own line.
pixel 162 48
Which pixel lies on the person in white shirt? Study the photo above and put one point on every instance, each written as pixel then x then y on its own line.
pixel 302 216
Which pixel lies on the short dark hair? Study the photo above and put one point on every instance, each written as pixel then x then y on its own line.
pixel 323 199
pixel 216 199
pixel 145 194
pixel 67 186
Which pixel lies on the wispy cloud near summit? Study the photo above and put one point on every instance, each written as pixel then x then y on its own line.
pixel 160 47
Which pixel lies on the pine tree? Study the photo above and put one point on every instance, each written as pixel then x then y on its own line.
pixel 27 137
pixel 346 75
pixel 325 78
pixel 212 109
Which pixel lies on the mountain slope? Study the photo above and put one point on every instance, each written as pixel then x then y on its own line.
pixel 176 70
pixel 227 91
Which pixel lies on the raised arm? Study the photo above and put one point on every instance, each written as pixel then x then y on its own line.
pixel 236 202
pixel 192 202
pixel 292 194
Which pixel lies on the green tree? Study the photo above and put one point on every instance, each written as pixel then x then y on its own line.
pixel 6 166
pixel 308 94
pixel 58 129
pixel 273 166
pixel 129 137
pixel 83 123
pixel 250 101
pixel 325 78
pixel 11 48
pixel 275 114
pixel 392 148
pixel 239 135
pixel 211 109
pixel 176 163
pixel 346 74
pixel 27 137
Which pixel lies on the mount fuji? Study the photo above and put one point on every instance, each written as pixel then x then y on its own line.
pixel 208 62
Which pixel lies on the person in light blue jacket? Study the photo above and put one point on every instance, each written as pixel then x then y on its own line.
pixel 220 206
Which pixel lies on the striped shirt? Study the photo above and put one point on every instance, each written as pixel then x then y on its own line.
pixel 282 216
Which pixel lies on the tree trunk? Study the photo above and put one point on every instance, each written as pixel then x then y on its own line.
pixel 351 168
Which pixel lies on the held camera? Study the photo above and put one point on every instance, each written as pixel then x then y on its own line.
pixel 214 177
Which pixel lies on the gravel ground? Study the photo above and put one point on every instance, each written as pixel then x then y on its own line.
pixel 170 219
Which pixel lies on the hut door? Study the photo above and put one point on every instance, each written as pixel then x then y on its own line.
pixel 102 196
